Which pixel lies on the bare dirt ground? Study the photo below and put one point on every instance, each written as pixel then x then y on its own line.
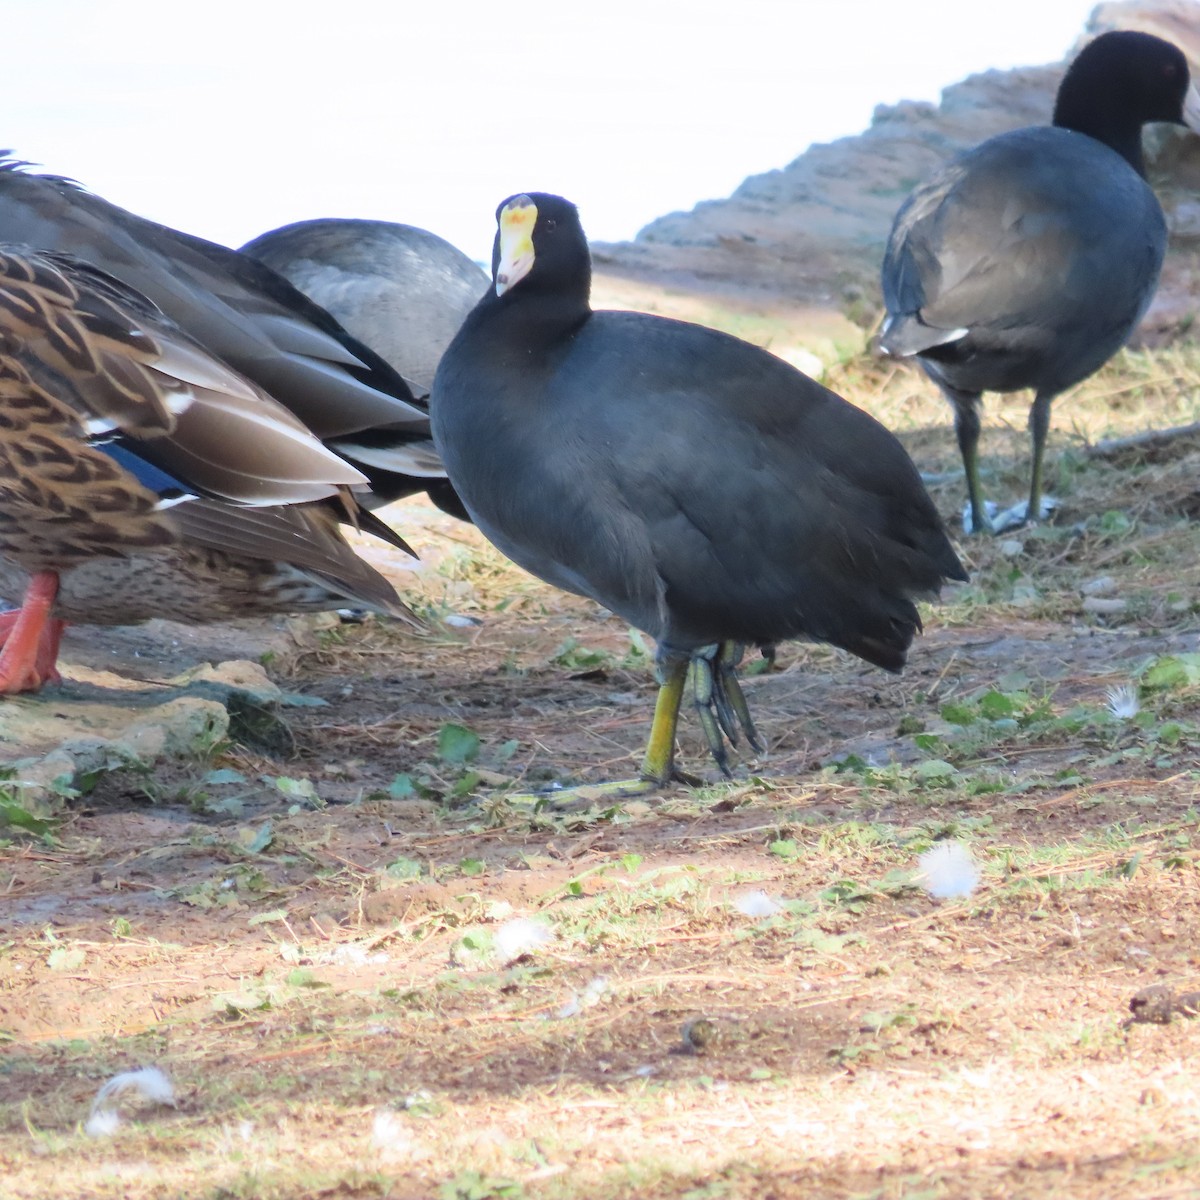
pixel 738 990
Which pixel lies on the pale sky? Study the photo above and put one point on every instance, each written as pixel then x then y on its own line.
pixel 229 117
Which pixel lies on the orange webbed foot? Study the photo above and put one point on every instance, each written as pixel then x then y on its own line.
pixel 30 638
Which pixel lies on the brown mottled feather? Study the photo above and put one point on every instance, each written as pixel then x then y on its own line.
pixel 63 501
pixel 59 330
pixel 80 355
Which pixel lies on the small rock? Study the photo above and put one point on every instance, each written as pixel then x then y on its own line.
pixel 1152 1005
pixel 1103 606
pixel 185 726
pixel 239 675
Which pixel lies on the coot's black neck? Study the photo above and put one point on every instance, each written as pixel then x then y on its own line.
pixel 529 318
pixel 1118 83
pixel 1104 120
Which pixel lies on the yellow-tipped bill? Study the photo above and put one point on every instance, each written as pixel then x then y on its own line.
pixel 517 219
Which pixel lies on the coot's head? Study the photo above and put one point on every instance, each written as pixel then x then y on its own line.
pixel 1123 80
pixel 540 245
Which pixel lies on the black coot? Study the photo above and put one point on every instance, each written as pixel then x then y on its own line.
pixel 698 486
pixel 1028 261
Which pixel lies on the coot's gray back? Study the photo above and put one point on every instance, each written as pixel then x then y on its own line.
pixel 1028 261
pixel 401 290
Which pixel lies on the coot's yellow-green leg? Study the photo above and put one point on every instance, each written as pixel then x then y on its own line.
pixel 730 694
pixel 1039 425
pixel 704 696
pixel 724 665
pixel 719 700
pixel 659 764
pixel 711 673
pixel 966 429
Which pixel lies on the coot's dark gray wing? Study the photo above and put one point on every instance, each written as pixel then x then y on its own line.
pixel 1031 238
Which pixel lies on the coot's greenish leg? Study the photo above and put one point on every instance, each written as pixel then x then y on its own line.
pixel 730 694
pixel 658 765
pixel 966 429
pixel 1039 425
pixel 715 723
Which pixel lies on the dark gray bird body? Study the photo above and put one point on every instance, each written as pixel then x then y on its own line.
pixel 698 486
pixel 401 290
pixel 1043 244
pixel 1028 261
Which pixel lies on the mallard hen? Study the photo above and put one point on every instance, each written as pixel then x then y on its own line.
pixel 251 318
pixel 140 476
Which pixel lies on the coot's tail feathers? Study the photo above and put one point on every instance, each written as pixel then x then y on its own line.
pixel 890 655
pixel 931 562
pixel 907 335
pixel 880 619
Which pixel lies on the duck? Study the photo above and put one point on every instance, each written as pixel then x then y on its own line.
pixel 1028 260
pixel 247 315
pixel 699 487
pixel 144 477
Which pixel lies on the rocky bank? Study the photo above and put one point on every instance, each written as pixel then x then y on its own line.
pixel 812 234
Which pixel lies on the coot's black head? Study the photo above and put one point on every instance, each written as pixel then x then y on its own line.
pixel 1121 81
pixel 540 247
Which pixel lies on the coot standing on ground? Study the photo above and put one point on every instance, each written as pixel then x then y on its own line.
pixel 1028 261
pixel 699 487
